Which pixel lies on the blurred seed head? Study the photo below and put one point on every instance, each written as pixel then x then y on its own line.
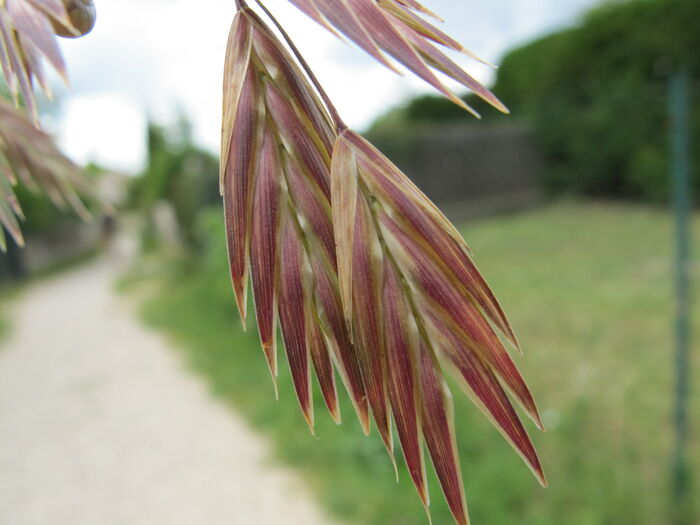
pixel 82 15
pixel 29 156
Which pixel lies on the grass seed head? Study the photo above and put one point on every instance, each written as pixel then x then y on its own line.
pixel 395 28
pixel 357 266
pixel 27 38
pixel 30 157
pixel 82 17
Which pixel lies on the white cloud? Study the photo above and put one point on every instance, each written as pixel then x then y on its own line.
pixel 106 128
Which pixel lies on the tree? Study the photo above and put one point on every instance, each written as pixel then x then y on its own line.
pixel 179 172
pixel 579 87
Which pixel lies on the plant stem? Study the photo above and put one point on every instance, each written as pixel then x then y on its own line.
pixel 340 126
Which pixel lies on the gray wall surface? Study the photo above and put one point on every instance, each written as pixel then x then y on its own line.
pixel 469 171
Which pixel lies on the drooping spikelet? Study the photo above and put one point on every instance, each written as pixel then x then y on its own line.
pixel 394 28
pixel 26 38
pixel 29 156
pixel 408 268
pixel 360 270
pixel 276 154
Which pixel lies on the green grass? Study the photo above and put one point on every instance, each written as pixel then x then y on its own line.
pixel 587 288
pixel 7 293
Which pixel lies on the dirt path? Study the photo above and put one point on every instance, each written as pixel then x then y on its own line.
pixel 101 424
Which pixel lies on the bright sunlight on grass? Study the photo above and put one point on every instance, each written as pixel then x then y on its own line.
pixel 588 290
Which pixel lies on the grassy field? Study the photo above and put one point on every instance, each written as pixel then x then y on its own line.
pixel 587 288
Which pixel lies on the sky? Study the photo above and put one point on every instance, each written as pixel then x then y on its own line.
pixel 160 59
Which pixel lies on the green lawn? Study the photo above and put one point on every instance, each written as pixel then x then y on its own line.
pixel 587 288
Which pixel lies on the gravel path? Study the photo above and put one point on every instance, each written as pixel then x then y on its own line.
pixel 101 424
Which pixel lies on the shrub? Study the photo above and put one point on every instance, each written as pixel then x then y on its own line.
pixel 596 96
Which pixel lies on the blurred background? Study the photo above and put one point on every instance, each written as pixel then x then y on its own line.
pixel 578 207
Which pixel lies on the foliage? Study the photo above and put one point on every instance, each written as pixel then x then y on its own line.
pixel 178 172
pixel 40 215
pixel 600 360
pixel 596 97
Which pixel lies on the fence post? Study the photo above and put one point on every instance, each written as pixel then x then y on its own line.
pixel 679 109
